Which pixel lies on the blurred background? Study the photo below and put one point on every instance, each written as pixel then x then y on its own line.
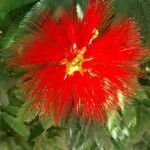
pixel 24 130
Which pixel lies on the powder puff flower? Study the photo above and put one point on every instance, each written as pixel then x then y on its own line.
pixel 80 63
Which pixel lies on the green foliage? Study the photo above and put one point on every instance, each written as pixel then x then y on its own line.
pixel 17 126
pixel 139 10
pixel 8 5
pixel 21 129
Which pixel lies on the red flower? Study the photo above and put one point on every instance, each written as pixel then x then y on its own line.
pixel 80 63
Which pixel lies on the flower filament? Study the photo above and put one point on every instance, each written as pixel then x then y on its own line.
pixel 76 63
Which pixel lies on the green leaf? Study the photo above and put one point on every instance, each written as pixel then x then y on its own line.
pixel 113 121
pixel 43 142
pixel 9 143
pixel 143 121
pixel 139 10
pixel 87 136
pixel 8 5
pixel 46 122
pixel 25 114
pixel 31 14
pixel 101 136
pixel 14 99
pixel 130 116
pixel 3 97
pixel 141 94
pixel 74 134
pixel 3 146
pixel 119 133
pixel 13 110
pixel 8 39
pixel 17 126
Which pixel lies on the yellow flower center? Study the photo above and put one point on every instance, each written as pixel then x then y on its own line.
pixel 76 64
